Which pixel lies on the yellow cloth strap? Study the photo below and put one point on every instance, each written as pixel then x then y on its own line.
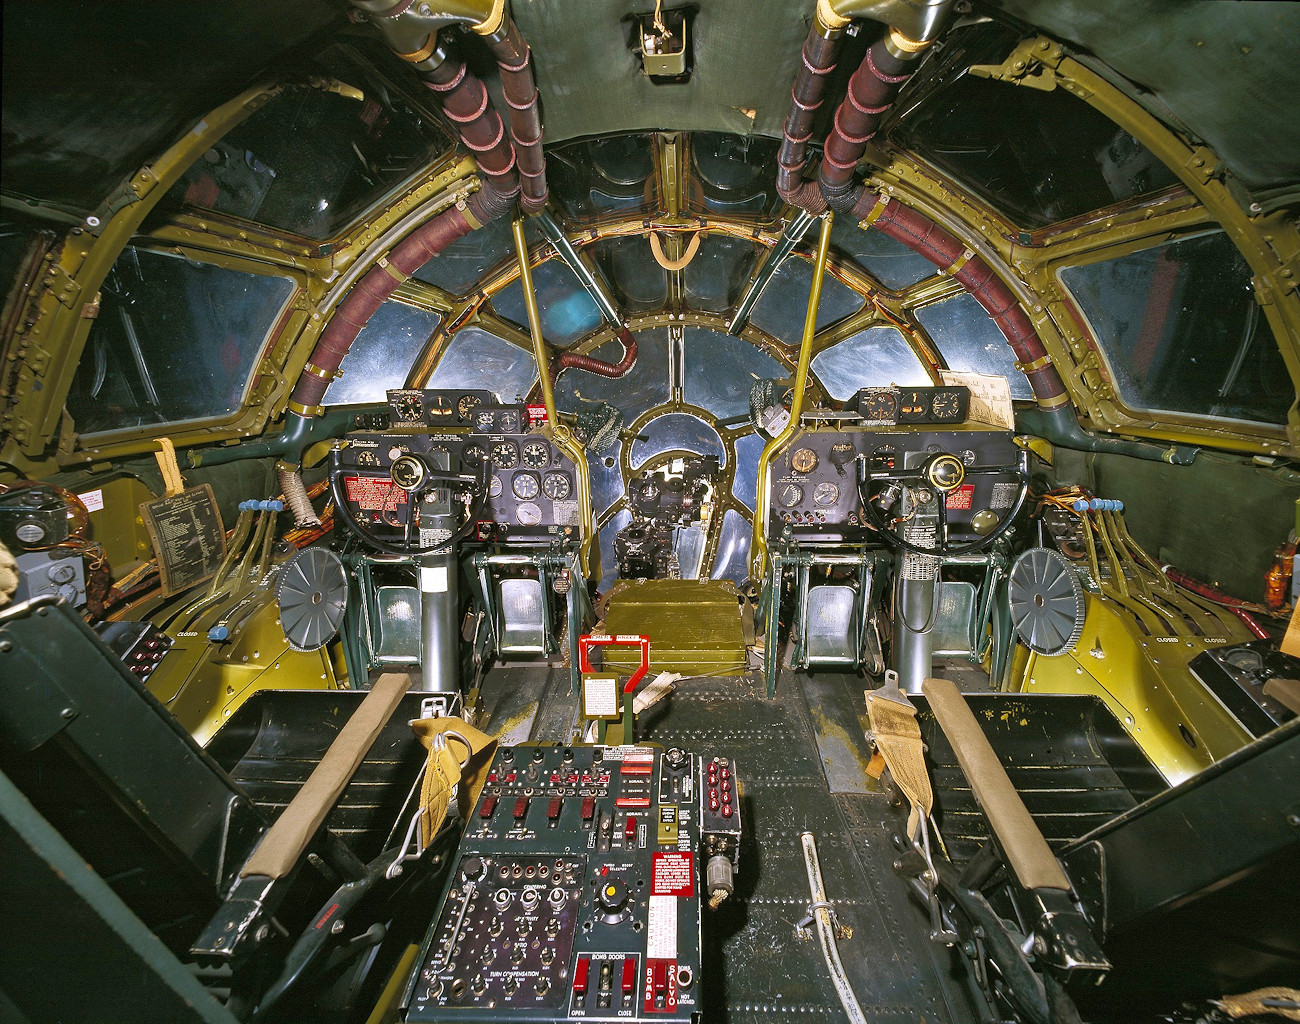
pixel 898 741
pixel 656 248
pixel 286 841
pixel 458 753
pixel 171 472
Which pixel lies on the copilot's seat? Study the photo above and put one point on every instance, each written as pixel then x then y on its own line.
pixel 1189 891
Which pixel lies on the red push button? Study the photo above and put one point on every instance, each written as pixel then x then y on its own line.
pixel 588 808
pixel 629 976
pixel 489 805
pixel 632 801
pixel 580 977
pixel 629 830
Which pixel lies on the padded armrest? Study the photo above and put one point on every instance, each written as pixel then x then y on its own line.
pixel 286 841
pixel 1031 858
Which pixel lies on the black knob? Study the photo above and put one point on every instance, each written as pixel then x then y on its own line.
pixel 472 869
pixel 612 896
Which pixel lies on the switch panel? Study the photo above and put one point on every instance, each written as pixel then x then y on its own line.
pixel 570 899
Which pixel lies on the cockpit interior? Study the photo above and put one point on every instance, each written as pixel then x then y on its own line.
pixel 525 510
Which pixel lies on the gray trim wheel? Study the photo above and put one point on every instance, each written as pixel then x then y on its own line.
pixel 1046 601
pixel 312 595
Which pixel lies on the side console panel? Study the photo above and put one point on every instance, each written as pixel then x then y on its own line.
pixel 577 893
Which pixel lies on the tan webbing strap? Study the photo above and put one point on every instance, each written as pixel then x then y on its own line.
pixel 458 753
pixel 898 741
pixel 1030 856
pixel 287 840
pixel 1285 691
pixel 171 472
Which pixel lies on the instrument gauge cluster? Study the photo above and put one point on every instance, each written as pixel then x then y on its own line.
pixel 813 484
pixel 531 485
pixel 887 407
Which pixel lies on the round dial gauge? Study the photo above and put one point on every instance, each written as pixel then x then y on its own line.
pixel 879 405
pixel 495 487
pixel 826 494
pixel 472 455
pixel 408 472
pixel 913 405
pixel 536 454
pixel 439 407
pixel 409 408
pixel 791 495
pixel 946 406
pixel 557 486
pixel 528 514
pixel 505 455
pixel 465 405
pixel 526 486
pixel 508 422
pixel 367 459
pixel 804 460
pixel 485 420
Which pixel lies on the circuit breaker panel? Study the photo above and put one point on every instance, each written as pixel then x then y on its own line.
pixel 577 893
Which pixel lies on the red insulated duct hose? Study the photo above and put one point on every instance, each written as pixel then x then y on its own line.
pixel 465 101
pixel 942 248
pixel 1216 595
pixel 514 59
pixel 817 61
pixel 570 361
pixel 368 294
pixel 871 92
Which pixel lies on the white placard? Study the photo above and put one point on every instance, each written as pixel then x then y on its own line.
pixel 990 397
pixel 661 928
pixel 433 579
pixel 600 697
pixel 93 500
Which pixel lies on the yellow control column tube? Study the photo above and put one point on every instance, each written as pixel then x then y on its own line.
pixel 559 433
pixel 758 545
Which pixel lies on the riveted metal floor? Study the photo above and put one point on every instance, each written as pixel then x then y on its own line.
pixel 796 755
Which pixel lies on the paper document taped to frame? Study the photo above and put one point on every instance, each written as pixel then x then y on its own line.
pixel 990 397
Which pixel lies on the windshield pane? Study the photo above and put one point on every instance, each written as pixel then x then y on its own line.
pixel 715 278
pixel 175 340
pixel 970 341
pixel 382 354
pixel 642 387
pixel 310 161
pixel 876 357
pixel 568 312
pixel 1181 331
pixel 476 359
pixel 459 266
pixel 676 431
pixel 1039 157
pixel 784 304
pixel 721 368
pixel 890 262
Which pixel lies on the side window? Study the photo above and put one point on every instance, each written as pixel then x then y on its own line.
pixel 174 341
pixel 310 161
pixel 1181 331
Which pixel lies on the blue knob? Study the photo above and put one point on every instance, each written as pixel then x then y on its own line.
pixel 219 634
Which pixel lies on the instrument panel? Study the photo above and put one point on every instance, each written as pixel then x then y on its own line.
pixel 814 481
pixel 437 410
pixel 532 486
pixel 887 407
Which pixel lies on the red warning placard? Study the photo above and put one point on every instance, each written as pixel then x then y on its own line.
pixel 373 493
pixel 962 497
pixel 673 874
